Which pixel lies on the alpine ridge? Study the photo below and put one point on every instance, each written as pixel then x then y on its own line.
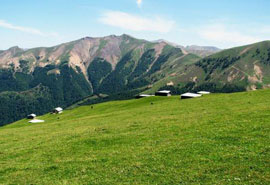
pixel 69 72
pixel 91 70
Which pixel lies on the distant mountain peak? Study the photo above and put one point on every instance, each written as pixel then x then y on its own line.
pixel 203 48
pixel 123 64
pixel 168 42
pixel 15 48
pixel 201 51
pixel 127 35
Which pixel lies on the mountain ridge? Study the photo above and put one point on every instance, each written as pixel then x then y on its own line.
pixel 119 67
pixel 245 68
pixel 87 66
pixel 201 51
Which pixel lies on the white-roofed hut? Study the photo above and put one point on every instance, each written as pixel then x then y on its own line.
pixel 163 93
pixel 203 92
pixel 143 96
pixel 58 110
pixel 36 121
pixel 31 116
pixel 190 95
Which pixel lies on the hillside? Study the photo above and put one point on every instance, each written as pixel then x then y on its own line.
pixel 216 139
pixel 236 69
pixel 246 67
pixel 118 66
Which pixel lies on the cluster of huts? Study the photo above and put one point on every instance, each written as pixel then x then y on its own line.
pixel 59 110
pixel 32 117
pixel 169 93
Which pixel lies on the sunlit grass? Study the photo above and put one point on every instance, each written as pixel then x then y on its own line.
pixel 216 139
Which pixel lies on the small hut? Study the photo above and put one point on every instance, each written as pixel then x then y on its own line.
pixel 31 116
pixel 143 96
pixel 58 110
pixel 203 92
pixel 36 121
pixel 163 93
pixel 190 95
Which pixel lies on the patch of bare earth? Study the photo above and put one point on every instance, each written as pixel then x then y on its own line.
pixel 170 83
pixel 42 64
pixel 252 88
pixel 195 79
pixel 42 54
pixel 158 49
pixel 82 53
pixel 245 50
pixel 4 57
pixel 173 74
pixel 7 58
pixel 58 51
pixel 54 71
pixel 111 52
pixel 258 76
pixel 184 51
pixel 232 75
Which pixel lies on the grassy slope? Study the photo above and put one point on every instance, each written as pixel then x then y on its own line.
pixel 216 139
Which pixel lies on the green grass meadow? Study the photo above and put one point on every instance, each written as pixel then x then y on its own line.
pixel 215 139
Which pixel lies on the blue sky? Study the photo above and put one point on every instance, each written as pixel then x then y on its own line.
pixel 221 23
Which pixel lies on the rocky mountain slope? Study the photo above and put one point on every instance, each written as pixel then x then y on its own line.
pixel 119 67
pixel 237 69
pixel 246 66
pixel 72 71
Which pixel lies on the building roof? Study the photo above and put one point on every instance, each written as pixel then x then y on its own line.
pixel 33 115
pixel 59 109
pixel 164 91
pixel 145 95
pixel 192 95
pixel 203 92
pixel 36 121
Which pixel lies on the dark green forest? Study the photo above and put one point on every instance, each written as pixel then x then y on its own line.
pixel 39 92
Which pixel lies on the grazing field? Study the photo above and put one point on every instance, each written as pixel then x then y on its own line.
pixel 216 139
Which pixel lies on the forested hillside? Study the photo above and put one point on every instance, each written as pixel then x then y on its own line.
pixel 236 69
pixel 117 66
pixel 120 67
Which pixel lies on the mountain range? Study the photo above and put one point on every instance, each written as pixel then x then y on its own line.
pixel 201 51
pixel 119 67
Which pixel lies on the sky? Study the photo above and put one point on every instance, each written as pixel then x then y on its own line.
pixel 220 23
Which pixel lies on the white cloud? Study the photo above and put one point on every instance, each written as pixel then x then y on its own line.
pixel 136 23
pixel 226 35
pixel 34 31
pixel 139 3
